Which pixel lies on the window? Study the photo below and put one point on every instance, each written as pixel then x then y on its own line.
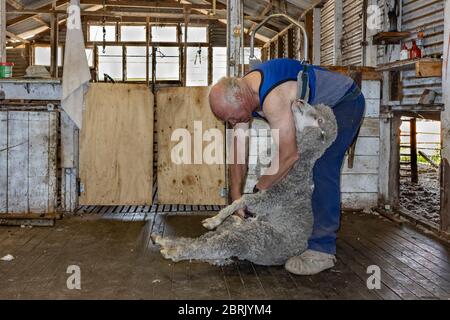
pixel 197 66
pixel 90 56
pixel 110 62
pixel 167 63
pixel 164 34
pixel 96 33
pixel 132 33
pixel 219 63
pixel 135 59
pixel 195 34
pixel 42 56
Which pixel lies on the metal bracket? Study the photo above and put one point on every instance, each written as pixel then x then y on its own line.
pixel 80 187
pixel 223 192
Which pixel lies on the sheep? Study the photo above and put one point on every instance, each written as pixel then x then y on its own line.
pixel 283 214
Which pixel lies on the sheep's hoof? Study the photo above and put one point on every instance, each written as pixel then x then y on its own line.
pixel 211 223
pixel 157 239
pixel 170 253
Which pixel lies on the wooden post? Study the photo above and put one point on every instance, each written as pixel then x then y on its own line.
pixel 445 126
pixel 54 30
pixel 338 30
pixel 187 11
pixel 309 26
pixel 2 30
pixel 290 42
pixel 413 150
pixel 147 52
pixel 316 36
pixel 280 47
pixel 371 28
pixel 389 171
pixel 233 37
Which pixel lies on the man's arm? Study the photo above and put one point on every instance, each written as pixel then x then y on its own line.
pixel 238 169
pixel 280 118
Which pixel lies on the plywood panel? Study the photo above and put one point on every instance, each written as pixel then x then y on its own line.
pixel 116 145
pixel 186 183
pixel 3 161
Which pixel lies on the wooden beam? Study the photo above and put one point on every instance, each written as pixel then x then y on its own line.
pixel 2 31
pixel 24 17
pixel 145 4
pixel 17 38
pixel 262 15
pixel 54 44
pixel 338 31
pixel 413 150
pixel 117 13
pixel 445 126
pixel 17 5
pixel 316 36
pixel 309 17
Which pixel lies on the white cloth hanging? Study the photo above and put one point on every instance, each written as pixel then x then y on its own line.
pixel 76 74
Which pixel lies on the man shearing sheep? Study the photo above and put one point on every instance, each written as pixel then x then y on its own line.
pixel 268 92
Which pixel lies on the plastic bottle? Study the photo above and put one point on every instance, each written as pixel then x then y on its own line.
pixel 404 53
pixel 415 51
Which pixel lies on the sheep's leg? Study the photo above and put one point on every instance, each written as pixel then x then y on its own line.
pixel 213 246
pixel 214 222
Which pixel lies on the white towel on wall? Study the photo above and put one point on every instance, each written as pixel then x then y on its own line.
pixel 76 74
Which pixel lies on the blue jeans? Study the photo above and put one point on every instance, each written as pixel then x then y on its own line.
pixel 326 198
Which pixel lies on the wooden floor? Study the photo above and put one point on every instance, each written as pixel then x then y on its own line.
pixel 118 260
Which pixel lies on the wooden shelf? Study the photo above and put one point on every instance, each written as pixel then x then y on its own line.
pixel 417 107
pixel 389 37
pixel 367 73
pixel 426 111
pixel 425 67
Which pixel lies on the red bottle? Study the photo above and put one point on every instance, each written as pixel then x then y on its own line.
pixel 415 51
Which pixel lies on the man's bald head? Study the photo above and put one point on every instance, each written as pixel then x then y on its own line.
pixel 223 97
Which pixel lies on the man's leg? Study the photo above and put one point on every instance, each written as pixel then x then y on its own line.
pixel 326 195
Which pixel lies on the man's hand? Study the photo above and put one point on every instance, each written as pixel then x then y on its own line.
pixel 240 213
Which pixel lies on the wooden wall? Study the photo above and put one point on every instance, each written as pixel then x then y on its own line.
pixel 359 185
pixel 28 156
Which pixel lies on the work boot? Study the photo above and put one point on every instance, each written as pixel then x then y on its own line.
pixel 310 262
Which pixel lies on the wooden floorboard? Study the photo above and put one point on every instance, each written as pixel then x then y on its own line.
pixel 113 248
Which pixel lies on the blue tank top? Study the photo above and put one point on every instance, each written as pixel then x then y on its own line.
pixel 275 72
pixel 325 86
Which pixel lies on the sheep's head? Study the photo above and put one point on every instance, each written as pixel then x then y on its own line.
pixel 316 127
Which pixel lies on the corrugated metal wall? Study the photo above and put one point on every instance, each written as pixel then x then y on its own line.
pixel 327 34
pixel 352 33
pixel 20 58
pixel 426 16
